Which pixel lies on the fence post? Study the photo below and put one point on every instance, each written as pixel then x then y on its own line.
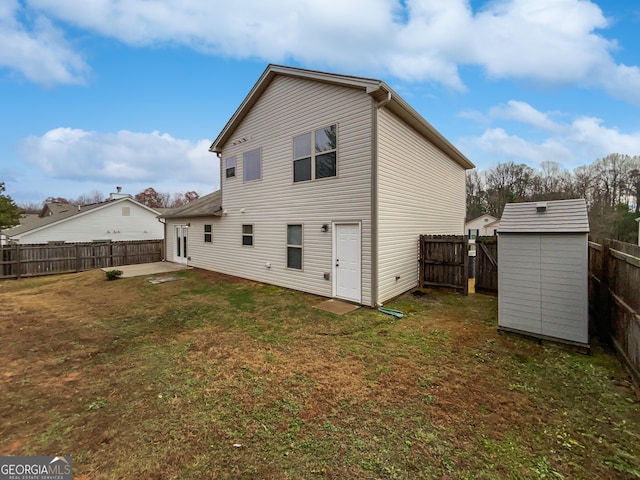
pixel 421 261
pixel 465 272
pixel 78 261
pixel 18 266
pixel 604 310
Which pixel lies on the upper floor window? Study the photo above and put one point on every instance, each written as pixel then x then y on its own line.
pixel 314 154
pixel 230 166
pixel 252 167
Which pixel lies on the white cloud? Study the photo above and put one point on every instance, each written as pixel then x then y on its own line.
pixel 37 50
pixel 580 141
pixel 524 113
pixel 496 141
pixel 545 41
pixel 139 158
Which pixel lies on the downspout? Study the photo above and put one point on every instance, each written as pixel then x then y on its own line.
pixel 164 240
pixel 374 198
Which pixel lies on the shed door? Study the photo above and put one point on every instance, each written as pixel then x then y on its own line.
pixel 519 282
pixel 347 255
pixel 564 287
pixel 542 285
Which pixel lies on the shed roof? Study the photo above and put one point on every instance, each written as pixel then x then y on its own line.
pixel 378 89
pixel 557 216
pixel 208 206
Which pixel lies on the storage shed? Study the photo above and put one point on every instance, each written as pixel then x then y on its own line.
pixel 543 270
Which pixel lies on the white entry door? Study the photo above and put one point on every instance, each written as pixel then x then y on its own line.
pixel 347 261
pixel 180 247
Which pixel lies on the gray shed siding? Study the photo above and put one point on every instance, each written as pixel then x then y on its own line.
pixel 287 108
pixel 420 191
pixel 543 269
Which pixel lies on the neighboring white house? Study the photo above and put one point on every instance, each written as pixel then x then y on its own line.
pixel 484 225
pixel 119 218
pixel 326 183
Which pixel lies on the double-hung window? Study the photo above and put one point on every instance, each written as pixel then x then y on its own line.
pixel 315 154
pixel 230 167
pixel 473 233
pixel 207 233
pixel 247 235
pixel 294 246
pixel 252 165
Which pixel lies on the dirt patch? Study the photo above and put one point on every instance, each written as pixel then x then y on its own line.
pixel 160 381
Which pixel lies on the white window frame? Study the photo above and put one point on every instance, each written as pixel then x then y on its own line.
pixel 244 165
pixel 210 233
pixel 251 235
pixel 313 154
pixel 227 167
pixel 292 245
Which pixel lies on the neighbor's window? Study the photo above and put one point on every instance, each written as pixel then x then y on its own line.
pixel 473 233
pixel 207 233
pixel 251 165
pixel 294 246
pixel 247 235
pixel 314 154
pixel 230 166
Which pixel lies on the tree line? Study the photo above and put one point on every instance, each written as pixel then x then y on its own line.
pixel 149 197
pixel 610 186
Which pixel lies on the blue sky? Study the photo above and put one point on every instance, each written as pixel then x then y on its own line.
pixel 99 93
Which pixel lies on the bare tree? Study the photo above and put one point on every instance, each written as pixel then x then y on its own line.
pixel 94 196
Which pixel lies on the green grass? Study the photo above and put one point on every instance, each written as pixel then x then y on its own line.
pixel 211 377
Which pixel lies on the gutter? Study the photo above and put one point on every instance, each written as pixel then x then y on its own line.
pixel 374 197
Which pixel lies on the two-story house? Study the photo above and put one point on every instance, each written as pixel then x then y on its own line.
pixel 326 182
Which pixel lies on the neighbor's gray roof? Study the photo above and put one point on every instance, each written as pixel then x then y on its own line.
pixel 208 206
pixel 560 216
pixel 60 212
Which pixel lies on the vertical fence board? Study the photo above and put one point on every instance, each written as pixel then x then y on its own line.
pixel 30 260
pixel 487 264
pixel 614 277
pixel 444 262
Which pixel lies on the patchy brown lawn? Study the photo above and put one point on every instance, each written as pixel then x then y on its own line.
pixel 216 377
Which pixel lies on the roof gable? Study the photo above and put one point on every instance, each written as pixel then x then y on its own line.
pixel 377 89
pixel 66 212
pixel 558 216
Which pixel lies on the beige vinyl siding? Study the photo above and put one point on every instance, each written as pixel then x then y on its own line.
pixel 420 191
pixel 290 107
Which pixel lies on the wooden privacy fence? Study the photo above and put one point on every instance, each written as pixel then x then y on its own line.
pixel 487 264
pixel 30 260
pixel 444 262
pixel 614 298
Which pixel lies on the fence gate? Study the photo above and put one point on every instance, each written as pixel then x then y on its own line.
pixel 487 264
pixel 444 262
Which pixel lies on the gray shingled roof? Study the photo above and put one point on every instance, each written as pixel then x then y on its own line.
pixel 60 211
pixel 208 206
pixel 560 216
